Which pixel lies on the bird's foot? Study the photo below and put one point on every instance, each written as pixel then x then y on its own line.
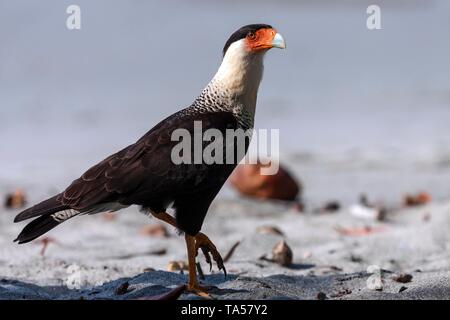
pixel 209 249
pixel 201 291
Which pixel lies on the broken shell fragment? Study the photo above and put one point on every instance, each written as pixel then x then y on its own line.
pixel 282 254
pixel 365 212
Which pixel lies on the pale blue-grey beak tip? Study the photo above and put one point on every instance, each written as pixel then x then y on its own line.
pixel 278 42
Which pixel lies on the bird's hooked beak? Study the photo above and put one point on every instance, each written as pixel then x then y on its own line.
pixel 278 41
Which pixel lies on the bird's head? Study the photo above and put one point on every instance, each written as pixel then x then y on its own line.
pixel 254 39
pixel 242 65
pixel 241 70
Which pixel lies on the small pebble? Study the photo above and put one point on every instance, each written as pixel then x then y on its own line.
pixel 356 259
pixel 331 206
pixel 321 296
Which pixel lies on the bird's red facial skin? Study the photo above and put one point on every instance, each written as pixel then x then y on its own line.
pixel 260 40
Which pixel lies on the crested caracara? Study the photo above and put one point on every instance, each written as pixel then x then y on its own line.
pixel 144 174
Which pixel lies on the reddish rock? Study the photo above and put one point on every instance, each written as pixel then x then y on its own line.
pixel 248 180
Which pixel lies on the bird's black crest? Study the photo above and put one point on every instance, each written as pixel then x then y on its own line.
pixel 242 33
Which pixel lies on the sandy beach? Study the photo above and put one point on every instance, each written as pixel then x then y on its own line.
pixel 90 257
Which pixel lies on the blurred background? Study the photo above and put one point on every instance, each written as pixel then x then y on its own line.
pixel 358 110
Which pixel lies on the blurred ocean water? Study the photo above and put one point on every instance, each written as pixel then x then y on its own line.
pixel 357 110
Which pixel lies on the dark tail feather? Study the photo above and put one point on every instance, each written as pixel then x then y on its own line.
pixel 46 207
pixel 47 210
pixel 36 228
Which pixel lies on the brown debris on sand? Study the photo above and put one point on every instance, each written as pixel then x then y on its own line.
pixel 109 216
pixel 231 251
pixel 321 296
pixel 418 199
pixel 15 200
pixel 403 278
pixel 269 230
pixel 45 241
pixel 329 207
pixel 154 230
pixel 403 288
pixel 173 294
pixel 363 231
pixel 173 266
pixel 341 293
pixel 122 289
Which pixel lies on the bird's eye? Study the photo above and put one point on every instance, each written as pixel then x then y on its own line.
pixel 251 35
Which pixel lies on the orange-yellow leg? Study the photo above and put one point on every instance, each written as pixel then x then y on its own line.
pixel 201 242
pixel 164 216
pixel 193 285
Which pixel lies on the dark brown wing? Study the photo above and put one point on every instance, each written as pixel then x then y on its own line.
pixel 143 172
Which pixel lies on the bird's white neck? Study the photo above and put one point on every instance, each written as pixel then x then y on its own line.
pixel 239 76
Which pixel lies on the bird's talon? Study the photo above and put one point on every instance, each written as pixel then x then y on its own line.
pixel 204 243
pixel 207 257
